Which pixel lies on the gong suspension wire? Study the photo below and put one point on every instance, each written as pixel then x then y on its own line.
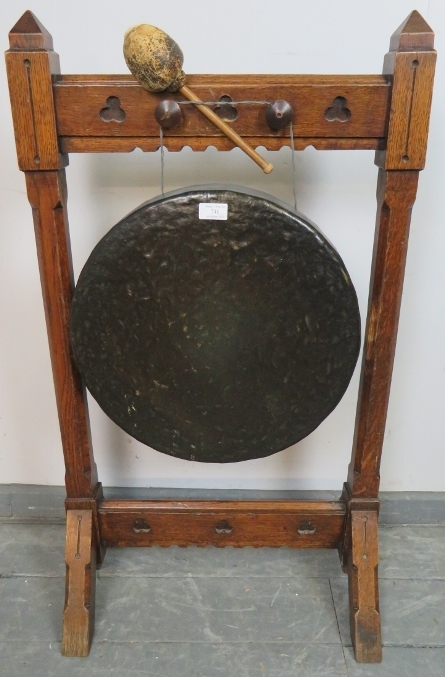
pixel 161 141
pixel 233 103
pixel 294 171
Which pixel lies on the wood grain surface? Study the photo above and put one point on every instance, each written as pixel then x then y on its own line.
pixel 410 63
pixel 47 195
pixel 79 100
pixel 255 523
pixel 396 193
pixel 363 587
pixel 31 64
pixel 78 615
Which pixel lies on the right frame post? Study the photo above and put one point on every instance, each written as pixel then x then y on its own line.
pixel 410 63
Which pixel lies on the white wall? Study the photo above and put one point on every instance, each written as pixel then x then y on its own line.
pixel 335 189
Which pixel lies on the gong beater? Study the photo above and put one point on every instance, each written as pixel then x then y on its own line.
pixel 215 340
pixel 155 60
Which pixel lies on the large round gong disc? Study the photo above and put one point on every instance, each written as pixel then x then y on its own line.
pixel 215 340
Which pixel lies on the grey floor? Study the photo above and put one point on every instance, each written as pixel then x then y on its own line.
pixel 221 612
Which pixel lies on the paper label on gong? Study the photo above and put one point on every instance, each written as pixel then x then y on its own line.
pixel 217 211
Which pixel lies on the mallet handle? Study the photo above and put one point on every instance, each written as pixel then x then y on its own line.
pixel 228 131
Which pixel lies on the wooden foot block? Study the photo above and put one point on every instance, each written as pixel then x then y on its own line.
pixel 363 587
pixel 80 557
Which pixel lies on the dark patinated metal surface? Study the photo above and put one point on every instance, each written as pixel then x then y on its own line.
pixel 215 341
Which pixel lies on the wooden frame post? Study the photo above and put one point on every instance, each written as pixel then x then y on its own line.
pixel 410 63
pixel 54 115
pixel 31 65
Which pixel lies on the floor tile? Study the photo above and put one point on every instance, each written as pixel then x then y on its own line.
pixel 412 552
pixel 32 550
pixel 5 501
pixel 35 501
pixel 268 660
pixel 31 609
pixel 216 610
pixel 412 611
pixel 209 612
pixel 107 659
pixel 412 507
pixel 400 662
pixel 220 562
pixel 115 659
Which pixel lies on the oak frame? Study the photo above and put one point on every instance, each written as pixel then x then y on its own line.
pixel 57 114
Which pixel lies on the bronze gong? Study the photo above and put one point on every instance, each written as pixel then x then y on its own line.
pixel 215 340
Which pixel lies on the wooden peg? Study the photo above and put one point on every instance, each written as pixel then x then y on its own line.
pixel 168 114
pixel 279 114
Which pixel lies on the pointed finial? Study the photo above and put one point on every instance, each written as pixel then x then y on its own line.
pixel 414 33
pixel 29 34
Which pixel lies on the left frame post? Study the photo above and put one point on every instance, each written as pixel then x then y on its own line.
pixel 32 67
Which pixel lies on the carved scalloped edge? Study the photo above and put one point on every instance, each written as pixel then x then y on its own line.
pixel 197 544
pixel 176 144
